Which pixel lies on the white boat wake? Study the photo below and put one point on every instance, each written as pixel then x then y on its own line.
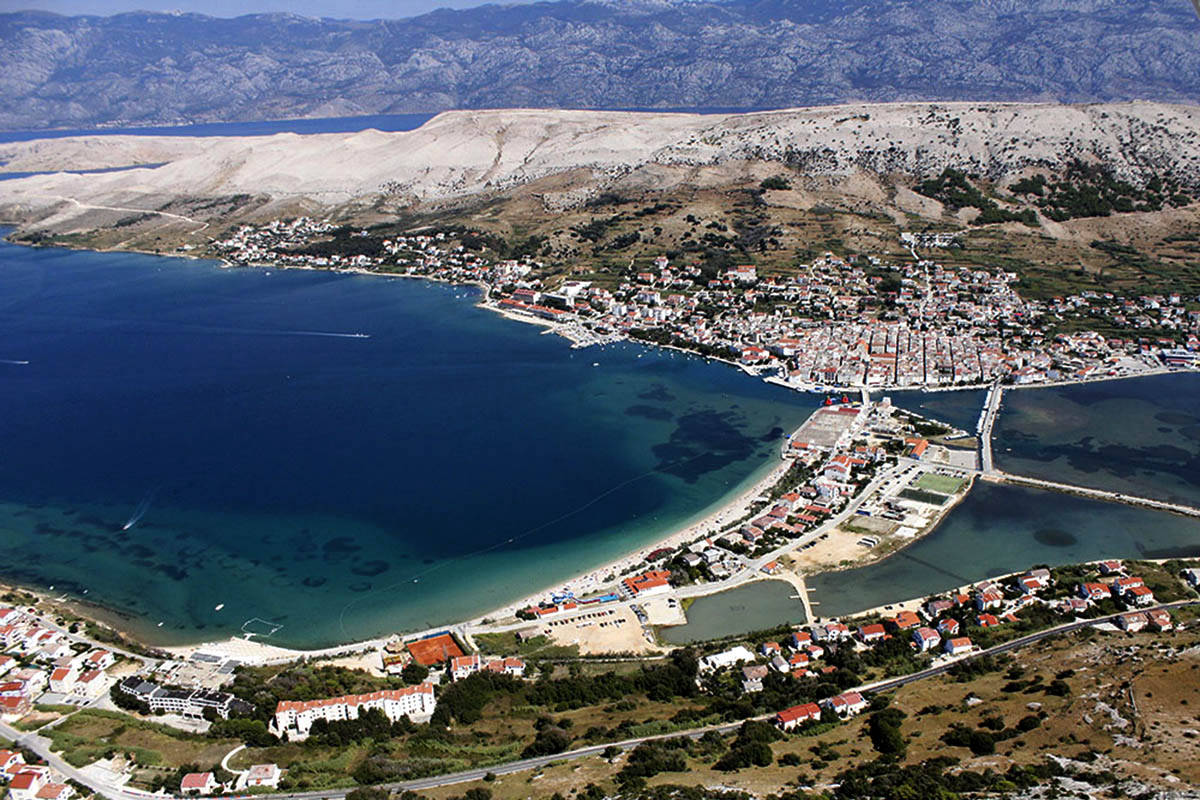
pixel 14 361
pixel 140 511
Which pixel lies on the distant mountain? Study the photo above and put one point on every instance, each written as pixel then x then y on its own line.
pixel 145 68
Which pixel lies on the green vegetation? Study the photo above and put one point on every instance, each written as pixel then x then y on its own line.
pixel 534 647
pixel 921 496
pixel 941 484
pixel 1091 190
pixel 955 191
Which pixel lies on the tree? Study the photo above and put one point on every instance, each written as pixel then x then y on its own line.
pixel 367 793
pixel 414 673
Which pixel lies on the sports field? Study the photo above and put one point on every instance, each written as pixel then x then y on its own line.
pixel 943 484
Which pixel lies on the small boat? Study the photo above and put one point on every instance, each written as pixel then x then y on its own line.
pixel 219 606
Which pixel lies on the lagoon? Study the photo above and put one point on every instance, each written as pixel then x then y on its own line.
pixel 750 607
pixel 999 529
pixel 1139 436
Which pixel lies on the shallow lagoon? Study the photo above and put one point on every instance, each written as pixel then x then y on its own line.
pixel 1139 436
pixel 754 606
pixel 1001 529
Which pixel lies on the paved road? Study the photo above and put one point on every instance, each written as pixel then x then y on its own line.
pixel 40 745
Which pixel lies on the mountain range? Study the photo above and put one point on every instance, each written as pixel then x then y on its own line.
pixel 147 68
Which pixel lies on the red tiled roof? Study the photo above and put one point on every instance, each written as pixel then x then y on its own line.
pixel 354 699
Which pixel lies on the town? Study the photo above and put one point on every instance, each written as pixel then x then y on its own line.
pixel 834 323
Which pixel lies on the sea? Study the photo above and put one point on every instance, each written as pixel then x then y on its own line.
pixel 329 457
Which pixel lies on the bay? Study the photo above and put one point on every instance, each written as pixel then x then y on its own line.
pixel 339 455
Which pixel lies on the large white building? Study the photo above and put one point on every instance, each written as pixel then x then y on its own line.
pixel 295 717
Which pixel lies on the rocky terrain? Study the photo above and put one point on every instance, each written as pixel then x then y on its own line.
pixel 144 68
pixel 464 153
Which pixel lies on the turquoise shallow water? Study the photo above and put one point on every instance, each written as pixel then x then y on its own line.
pixel 340 455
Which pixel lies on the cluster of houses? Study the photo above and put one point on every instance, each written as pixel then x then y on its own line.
pixel 30 781
pixel 838 322
pixel 466 666
pixel 937 628
pixel 73 672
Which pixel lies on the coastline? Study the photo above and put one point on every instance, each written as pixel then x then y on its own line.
pixel 725 510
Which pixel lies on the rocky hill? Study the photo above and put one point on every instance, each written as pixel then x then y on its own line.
pixel 161 68
pixel 467 153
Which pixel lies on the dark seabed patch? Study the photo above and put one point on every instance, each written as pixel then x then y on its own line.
pixel 369 569
pixel 360 587
pixel 649 412
pixel 1053 537
pixel 313 581
pixel 340 546
pixel 1176 418
pixel 1174 552
pixel 773 435
pixel 657 392
pixel 702 442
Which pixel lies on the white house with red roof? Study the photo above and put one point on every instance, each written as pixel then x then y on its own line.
pixel 62 680
pixel 948 627
pixel 926 639
pixel 198 783
pixel 91 684
pixel 848 704
pixel 55 791
pixel 25 785
pixel 1138 596
pixel 9 759
pixel 1160 619
pixel 789 718
pixel 295 717
pixel 99 659
pixel 1123 584
pixel 7 663
pixel 957 645
pixel 1093 591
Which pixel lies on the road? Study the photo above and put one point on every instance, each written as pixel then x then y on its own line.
pixel 41 745
pixel 990 411
pixel 1099 494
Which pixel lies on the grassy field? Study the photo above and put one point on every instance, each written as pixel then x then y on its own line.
pixel 91 734
pixel 942 484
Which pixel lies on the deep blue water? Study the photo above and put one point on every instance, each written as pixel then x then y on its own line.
pixel 1140 435
pixel 441 464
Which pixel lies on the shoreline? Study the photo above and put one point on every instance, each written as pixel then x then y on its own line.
pixel 706 522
